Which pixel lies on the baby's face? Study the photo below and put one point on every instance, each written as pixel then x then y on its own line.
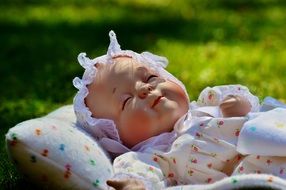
pixel 140 102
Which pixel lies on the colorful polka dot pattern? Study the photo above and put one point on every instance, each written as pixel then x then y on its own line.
pixel 264 131
pixel 202 158
pixel 60 154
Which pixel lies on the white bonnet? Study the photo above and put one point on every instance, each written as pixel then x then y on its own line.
pixel 105 128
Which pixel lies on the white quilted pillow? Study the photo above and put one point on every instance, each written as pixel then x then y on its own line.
pixel 53 152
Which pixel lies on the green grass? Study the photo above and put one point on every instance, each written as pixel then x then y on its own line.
pixel 207 43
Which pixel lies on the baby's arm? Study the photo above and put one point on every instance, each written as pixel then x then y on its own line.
pixel 233 100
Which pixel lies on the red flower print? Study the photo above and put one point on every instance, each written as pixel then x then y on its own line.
pixel 237 131
pixel 67 173
pixel 269 161
pixel 199 135
pixel 68 167
pixel 220 123
pixel 174 160
pixel 195 148
pixel 194 160
pixel 45 152
pixel 209 180
pixel 151 169
pixel 209 165
pixel 240 169
pixel 155 159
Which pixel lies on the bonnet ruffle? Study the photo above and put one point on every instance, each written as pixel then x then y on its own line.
pixel 103 129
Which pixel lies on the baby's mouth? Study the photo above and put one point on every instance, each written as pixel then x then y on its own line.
pixel 157 100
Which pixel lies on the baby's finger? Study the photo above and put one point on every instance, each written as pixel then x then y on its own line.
pixel 116 184
pixel 228 103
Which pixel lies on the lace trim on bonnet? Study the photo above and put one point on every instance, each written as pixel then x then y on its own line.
pixel 105 128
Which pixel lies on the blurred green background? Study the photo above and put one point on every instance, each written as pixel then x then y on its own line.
pixel 207 43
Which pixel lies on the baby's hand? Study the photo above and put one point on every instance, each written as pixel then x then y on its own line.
pixel 126 184
pixel 235 106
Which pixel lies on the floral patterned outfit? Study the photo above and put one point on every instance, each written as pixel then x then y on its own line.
pixel 209 147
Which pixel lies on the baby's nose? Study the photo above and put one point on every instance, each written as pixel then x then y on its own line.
pixel 144 90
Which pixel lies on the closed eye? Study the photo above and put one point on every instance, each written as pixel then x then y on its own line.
pixel 124 103
pixel 151 77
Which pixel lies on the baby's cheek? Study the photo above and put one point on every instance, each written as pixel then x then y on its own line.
pixel 135 128
pixel 140 122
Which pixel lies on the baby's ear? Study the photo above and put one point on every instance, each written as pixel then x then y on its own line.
pixel 162 61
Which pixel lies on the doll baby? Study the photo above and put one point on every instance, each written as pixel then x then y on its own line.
pixel 132 105
pixel 141 103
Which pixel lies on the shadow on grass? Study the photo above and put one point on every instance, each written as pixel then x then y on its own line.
pixel 38 61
